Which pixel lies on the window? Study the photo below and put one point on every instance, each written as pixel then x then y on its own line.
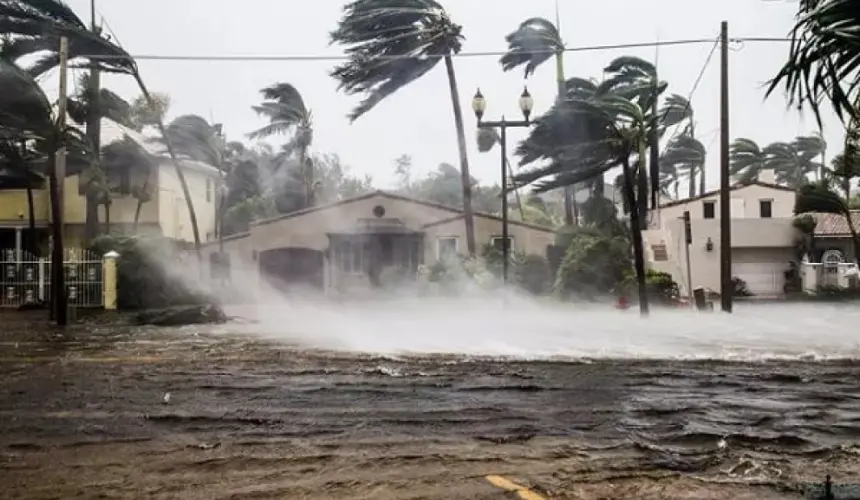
pixel 709 209
pixel 660 252
pixel 208 190
pixel 765 209
pixel 350 256
pixel 497 242
pixel 446 247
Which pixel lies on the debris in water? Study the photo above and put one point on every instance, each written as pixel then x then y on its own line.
pixel 166 398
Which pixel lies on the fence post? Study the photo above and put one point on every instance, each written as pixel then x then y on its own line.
pixel 42 280
pixel 109 280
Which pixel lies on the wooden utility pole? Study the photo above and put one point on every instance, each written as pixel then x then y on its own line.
pixel 726 286
pixel 58 281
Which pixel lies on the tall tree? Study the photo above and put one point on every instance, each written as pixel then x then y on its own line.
pixel 746 160
pixel 534 42
pixel 36 27
pixel 686 156
pixel 390 44
pixel 287 113
pixel 793 162
pixel 824 59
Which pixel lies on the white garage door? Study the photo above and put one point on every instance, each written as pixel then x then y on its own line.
pixel 762 278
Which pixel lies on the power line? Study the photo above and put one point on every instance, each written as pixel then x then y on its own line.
pixel 301 58
pixel 696 85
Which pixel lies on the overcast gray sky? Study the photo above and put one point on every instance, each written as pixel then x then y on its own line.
pixel 418 120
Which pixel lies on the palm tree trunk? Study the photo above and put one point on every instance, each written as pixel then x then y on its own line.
pixel 636 236
pixel 642 180
pixel 59 302
pixel 571 215
pixel 702 176
pixel 691 192
pixel 192 215
pixel 31 214
pixel 107 216
pixel 466 177
pixel 93 131
pixel 143 190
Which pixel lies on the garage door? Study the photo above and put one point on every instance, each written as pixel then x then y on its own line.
pixel 762 278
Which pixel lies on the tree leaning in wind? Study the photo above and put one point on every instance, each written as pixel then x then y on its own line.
pixel 533 43
pixel 285 108
pixel 36 27
pixel 391 43
pixel 824 59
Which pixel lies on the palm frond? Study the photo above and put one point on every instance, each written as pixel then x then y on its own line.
pixel 533 43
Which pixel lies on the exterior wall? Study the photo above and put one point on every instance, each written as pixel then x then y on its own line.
pixel 745 205
pixel 14 210
pixel 172 209
pixel 525 239
pixel 761 251
pixel 309 230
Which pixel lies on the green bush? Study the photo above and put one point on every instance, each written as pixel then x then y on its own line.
pixel 593 264
pixel 141 282
pixel 660 286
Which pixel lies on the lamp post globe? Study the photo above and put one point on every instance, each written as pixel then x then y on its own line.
pixel 527 103
pixel 479 104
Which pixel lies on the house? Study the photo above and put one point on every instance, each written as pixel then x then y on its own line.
pixel 764 240
pixel 348 244
pixel 832 259
pixel 165 212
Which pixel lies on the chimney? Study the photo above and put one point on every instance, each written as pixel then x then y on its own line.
pixel 767 175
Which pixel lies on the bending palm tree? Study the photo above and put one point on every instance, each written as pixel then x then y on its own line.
pixel 746 160
pixel 823 59
pixel 534 42
pixel 288 114
pixel 36 26
pixel 374 31
pixel 685 155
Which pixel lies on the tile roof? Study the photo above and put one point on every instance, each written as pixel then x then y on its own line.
pixel 835 225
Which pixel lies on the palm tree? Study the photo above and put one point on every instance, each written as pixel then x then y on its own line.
pixel 391 43
pixel 818 197
pixel 677 109
pixel 613 128
pixel 533 43
pixel 287 113
pixel 822 62
pixel 26 113
pixel 36 26
pixel 746 160
pixel 88 109
pixel 790 163
pixel 685 155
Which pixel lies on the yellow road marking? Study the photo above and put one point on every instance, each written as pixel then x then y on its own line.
pixel 508 485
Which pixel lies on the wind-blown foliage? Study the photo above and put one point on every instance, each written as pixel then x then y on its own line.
pixel 824 60
pixel 391 43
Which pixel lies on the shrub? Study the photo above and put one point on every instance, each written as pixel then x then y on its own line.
pixel 593 264
pixel 141 282
pixel 661 288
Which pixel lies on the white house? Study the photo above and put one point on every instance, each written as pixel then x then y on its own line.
pixel 166 211
pixel 763 238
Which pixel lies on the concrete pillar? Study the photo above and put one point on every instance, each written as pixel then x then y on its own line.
pixel 18 245
pixel 109 278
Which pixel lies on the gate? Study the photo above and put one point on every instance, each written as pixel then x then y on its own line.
pixel 26 279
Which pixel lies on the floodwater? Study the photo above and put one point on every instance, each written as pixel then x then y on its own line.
pixel 396 400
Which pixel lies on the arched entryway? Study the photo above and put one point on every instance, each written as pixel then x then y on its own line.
pixel 293 267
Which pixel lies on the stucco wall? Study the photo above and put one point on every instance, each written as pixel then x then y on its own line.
pixel 745 204
pixel 525 239
pixel 761 251
pixel 172 209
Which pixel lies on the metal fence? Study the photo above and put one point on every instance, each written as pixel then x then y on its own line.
pixel 26 278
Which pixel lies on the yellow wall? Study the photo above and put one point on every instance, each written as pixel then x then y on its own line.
pixel 173 211
pixel 13 205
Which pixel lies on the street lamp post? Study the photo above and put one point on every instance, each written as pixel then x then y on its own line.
pixel 479 105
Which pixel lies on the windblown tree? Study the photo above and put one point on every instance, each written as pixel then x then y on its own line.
pixel 746 160
pixel 817 197
pixel 823 63
pixel 287 113
pixel 35 27
pixel 534 42
pixel 391 43
pixel 793 162
pixel 615 132
pixel 685 156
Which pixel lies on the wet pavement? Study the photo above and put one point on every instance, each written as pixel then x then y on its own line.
pixel 117 412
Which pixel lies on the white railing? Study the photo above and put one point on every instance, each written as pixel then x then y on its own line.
pixel 26 278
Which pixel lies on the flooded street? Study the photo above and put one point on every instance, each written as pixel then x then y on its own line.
pixel 122 413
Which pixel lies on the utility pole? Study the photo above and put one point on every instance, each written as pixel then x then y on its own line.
pixel 726 287
pixel 58 279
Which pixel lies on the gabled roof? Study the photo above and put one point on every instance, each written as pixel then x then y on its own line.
pixel 456 212
pixel 835 225
pixel 735 187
